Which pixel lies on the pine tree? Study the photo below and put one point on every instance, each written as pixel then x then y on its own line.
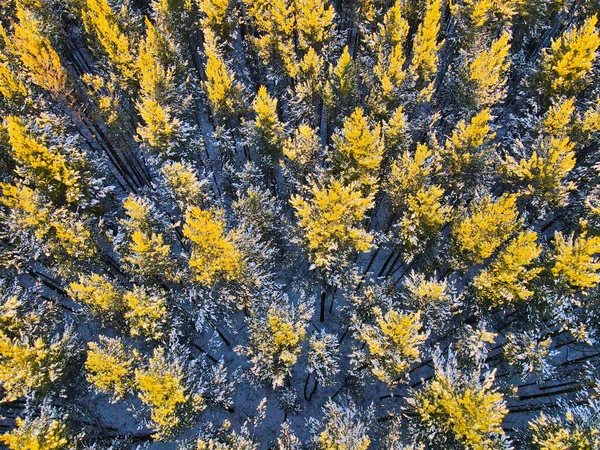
pixel 48 168
pixel 323 357
pixel 147 313
pixel 214 255
pixel 101 22
pixel 146 254
pixel 409 174
pixel 275 339
pixel 566 69
pixel 508 278
pixel 302 147
pixel 12 88
pixel 223 92
pixel 341 91
pixel 46 431
pixel 423 220
pixel 183 183
pixel 110 366
pixel 359 151
pixel 487 73
pixel 388 43
pixel 344 428
pixel 156 67
pixel 575 262
pixel 393 344
pixel 34 49
pixel 314 23
pixel 458 409
pixel 99 293
pixel 424 63
pixel 465 154
pixel 268 130
pixel 330 222
pixel 542 176
pixel 32 363
pixel 173 399
pixel 575 427
pixel 489 224
pixel 216 15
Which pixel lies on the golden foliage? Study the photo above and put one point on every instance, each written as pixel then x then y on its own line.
pixel 110 367
pixel 34 49
pixel 393 344
pixel 101 22
pixel 330 222
pixel 426 47
pixel 489 224
pixel 162 387
pixel 487 72
pixel 565 70
pixel 575 261
pixel 40 433
pixel 507 280
pixel 147 313
pixel 99 293
pixel 408 175
pixel 303 146
pixel 214 256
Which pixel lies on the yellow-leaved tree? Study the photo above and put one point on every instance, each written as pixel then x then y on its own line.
pixel 486 73
pixel 479 234
pixel 29 43
pixel 99 293
pixel 458 409
pixel 44 432
pixel 359 151
pixel 267 127
pixel 163 387
pixel 566 68
pixel 410 172
pixel 575 261
pixel 393 344
pixel 330 222
pixel 425 57
pixel 103 23
pixel 214 254
pixel 110 366
pixel 314 23
pixel 223 92
pixel 507 280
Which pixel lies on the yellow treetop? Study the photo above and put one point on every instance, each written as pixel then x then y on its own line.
pixel 471 411
pixel 558 117
pixel 221 89
pixel 506 281
pixel 409 174
pixel 424 218
pixel 487 72
pixel 40 433
pixel 48 168
pixel 99 293
pixel 330 222
pixel 544 172
pixel 314 19
pixel 426 47
pixel 183 183
pixel 214 256
pixel 139 213
pixel 29 209
pixel 267 122
pixel 148 255
pixel 394 344
pixel 29 364
pixel 389 41
pixel 154 73
pixel 162 387
pixel 359 150
pixel 147 313
pixel 302 147
pixel 161 130
pixel 575 260
pixel 462 151
pixel 34 49
pixel 110 367
pixel 490 223
pixel 11 87
pixel 101 22
pixel 215 13
pixel 566 68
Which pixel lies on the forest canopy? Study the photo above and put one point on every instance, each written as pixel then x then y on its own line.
pixel 299 224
